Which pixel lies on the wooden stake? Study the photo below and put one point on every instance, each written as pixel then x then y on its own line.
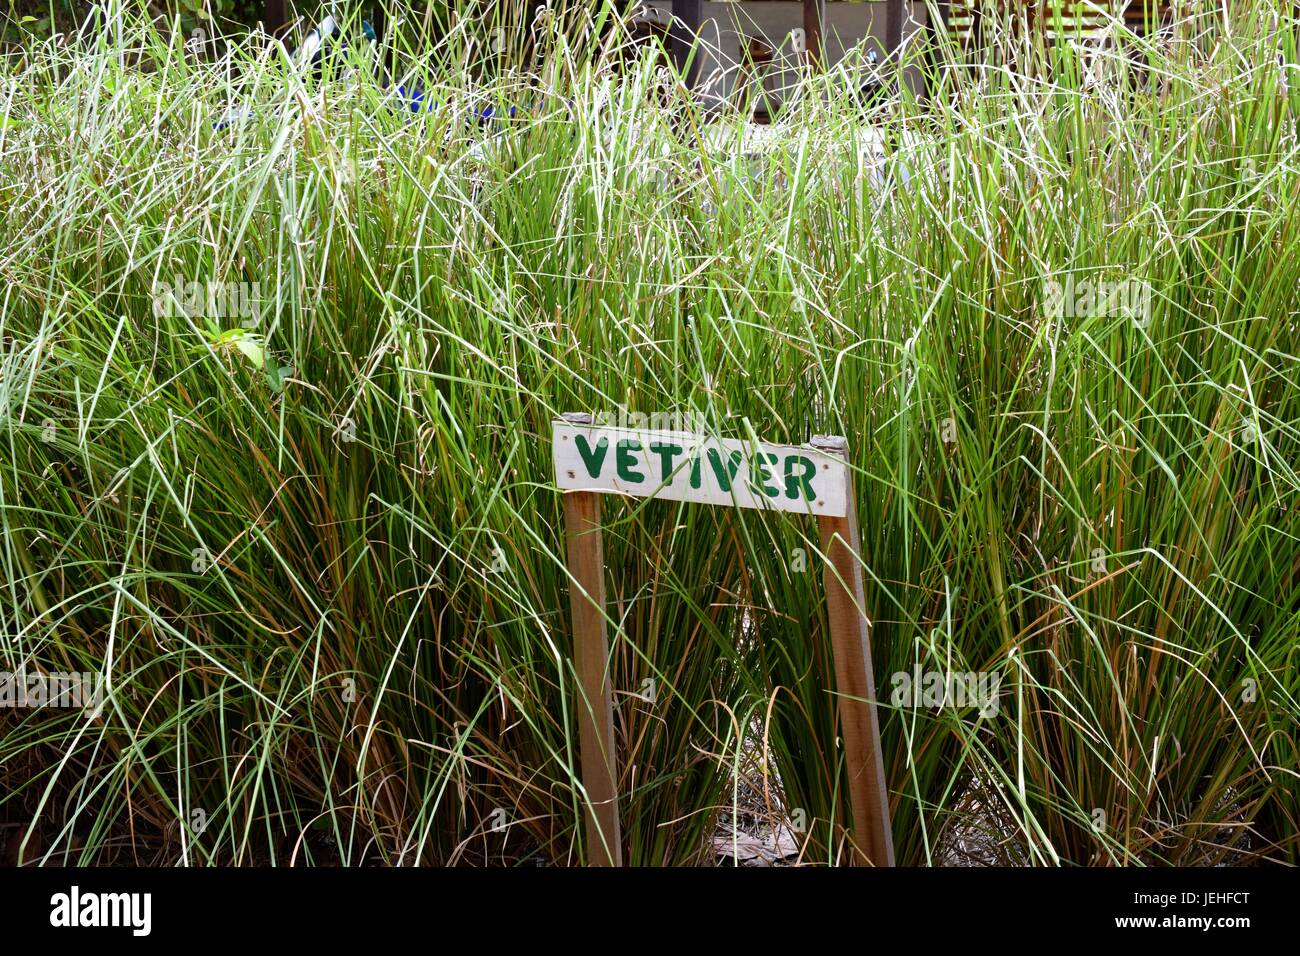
pixel 275 17
pixel 854 680
pixel 683 32
pixel 595 700
pixel 814 20
pixel 895 13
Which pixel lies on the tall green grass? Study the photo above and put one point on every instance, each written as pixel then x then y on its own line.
pixel 320 558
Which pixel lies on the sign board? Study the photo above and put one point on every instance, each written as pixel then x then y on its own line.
pixel 678 466
pixel 591 460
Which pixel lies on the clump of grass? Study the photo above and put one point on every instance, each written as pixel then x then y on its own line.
pixel 317 551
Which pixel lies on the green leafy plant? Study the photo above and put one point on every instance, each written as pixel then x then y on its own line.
pixel 320 558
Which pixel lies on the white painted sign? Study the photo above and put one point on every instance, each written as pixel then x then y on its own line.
pixel 680 466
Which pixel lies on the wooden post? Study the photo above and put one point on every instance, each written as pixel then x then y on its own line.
pixel 937 15
pixel 275 18
pixel 854 679
pixel 683 31
pixel 595 700
pixel 814 19
pixel 895 11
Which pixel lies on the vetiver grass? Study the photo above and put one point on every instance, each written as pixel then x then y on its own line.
pixel 319 559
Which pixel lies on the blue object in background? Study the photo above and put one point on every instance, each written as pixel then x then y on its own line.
pixel 411 97
pixel 327 38
pixel 490 112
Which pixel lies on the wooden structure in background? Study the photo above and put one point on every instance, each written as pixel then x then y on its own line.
pixel 962 15
pixel 689 14
pixel 1079 18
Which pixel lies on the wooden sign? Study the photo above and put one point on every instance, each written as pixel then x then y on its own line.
pixel 591 460
pixel 678 466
